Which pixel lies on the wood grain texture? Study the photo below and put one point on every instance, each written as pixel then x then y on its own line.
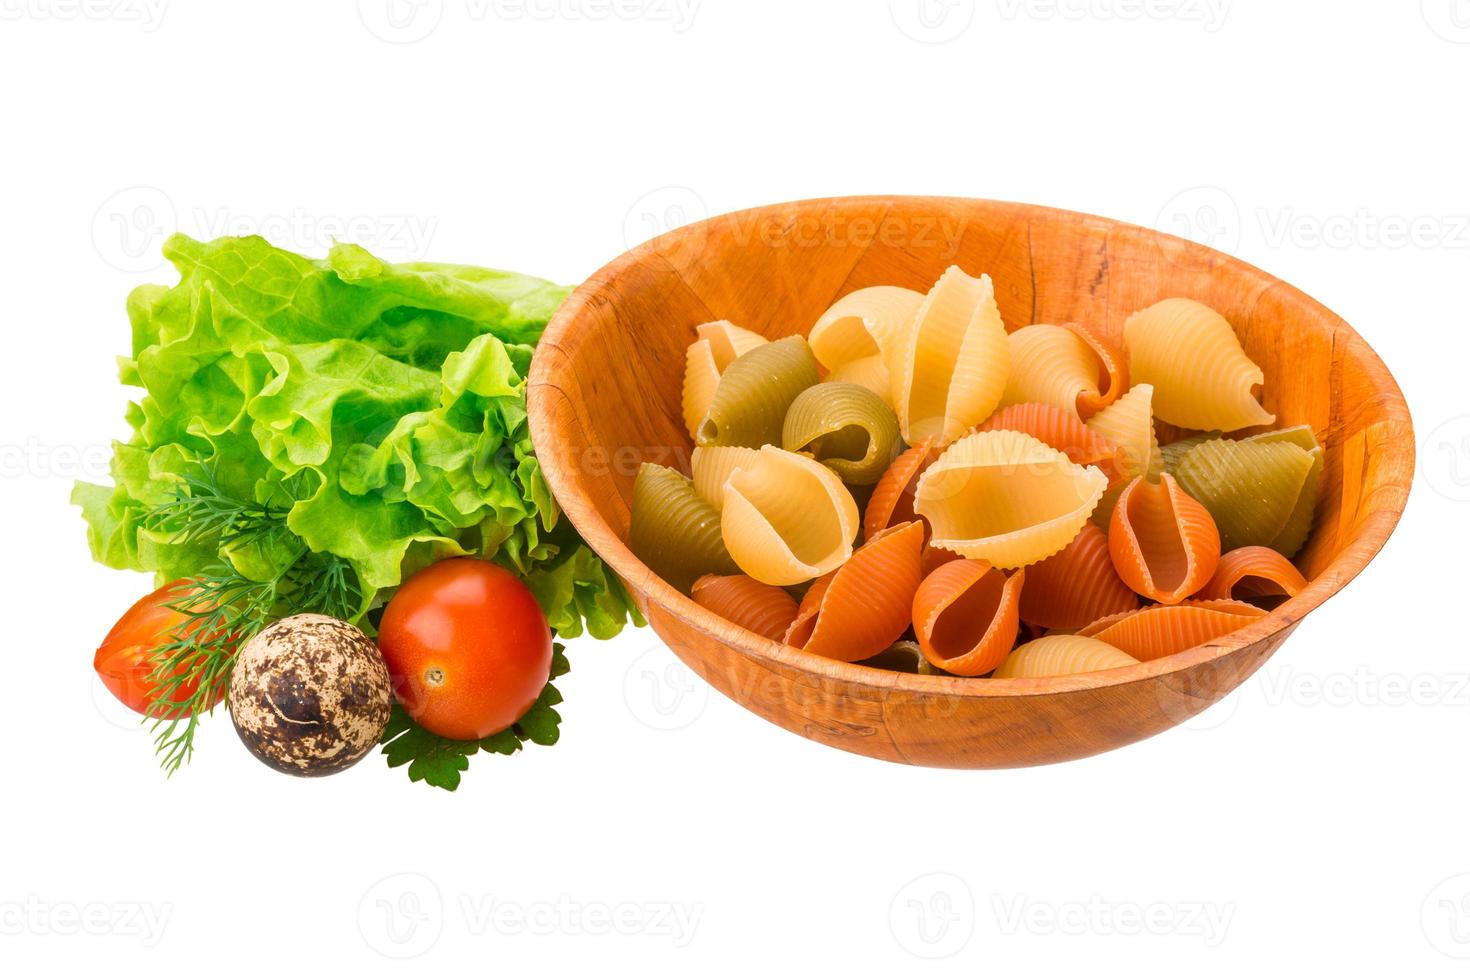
pixel 604 396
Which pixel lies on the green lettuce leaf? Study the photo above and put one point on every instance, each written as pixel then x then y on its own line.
pixel 381 404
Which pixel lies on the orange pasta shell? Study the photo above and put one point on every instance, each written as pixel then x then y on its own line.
pixel 1159 631
pixel 966 614
pixel 1063 431
pixel 862 608
pixel 1114 379
pixel 760 608
pixel 892 501
pixel 1163 542
pixel 1076 586
pixel 1254 571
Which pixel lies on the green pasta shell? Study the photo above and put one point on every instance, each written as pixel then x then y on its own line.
pixel 675 531
pixel 846 427
pixel 1299 525
pixel 754 393
pixel 1251 489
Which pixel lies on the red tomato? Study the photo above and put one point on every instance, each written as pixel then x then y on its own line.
pixel 127 656
pixel 468 648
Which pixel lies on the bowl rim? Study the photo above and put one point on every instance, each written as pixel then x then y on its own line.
pixel 542 389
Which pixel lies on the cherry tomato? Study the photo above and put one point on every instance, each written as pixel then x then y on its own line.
pixel 126 658
pixel 467 646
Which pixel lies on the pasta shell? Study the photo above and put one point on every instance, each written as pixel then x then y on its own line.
pixel 1299 525
pixel 1076 586
pixel 1065 367
pixel 955 358
pixel 1252 489
pixel 787 519
pixel 1253 572
pixel 701 378
pixel 892 501
pixel 865 323
pixel 727 341
pixel 674 531
pixel 1163 542
pixel 862 608
pixel 1129 423
pixel 1055 656
pixel 754 393
pixel 1161 631
pixel 712 465
pixel 966 614
pixel 1175 451
pixel 1201 375
pixel 762 609
pixel 846 427
pixel 1113 380
pixel 1006 498
pixel 1060 429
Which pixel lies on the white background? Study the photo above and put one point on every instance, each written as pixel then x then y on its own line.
pixel 1315 821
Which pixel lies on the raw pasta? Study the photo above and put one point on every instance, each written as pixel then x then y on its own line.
pixel 719 343
pixel 859 610
pixel 751 400
pixel 867 325
pixel 674 531
pixel 1006 498
pixel 1160 631
pixel 955 357
pixel 712 466
pixel 1076 586
pixel 1163 542
pixel 787 519
pixel 1252 489
pixel 1065 367
pixel 1202 377
pixel 1054 656
pixel 846 427
pixel 1253 572
pixel 966 614
pixel 762 609
pixel 892 501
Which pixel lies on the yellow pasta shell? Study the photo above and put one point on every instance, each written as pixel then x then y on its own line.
pixel 728 341
pixel 1201 375
pixel 846 427
pixel 954 362
pixel 1054 656
pixel 870 372
pixel 701 377
pixel 1129 424
pixel 1050 365
pixel 786 518
pixel 1006 498
pixel 865 323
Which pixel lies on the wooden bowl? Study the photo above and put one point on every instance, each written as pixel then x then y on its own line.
pixel 605 393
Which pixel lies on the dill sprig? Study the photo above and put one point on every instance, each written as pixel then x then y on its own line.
pixel 223 609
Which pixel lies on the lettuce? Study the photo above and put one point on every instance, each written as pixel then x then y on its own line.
pixel 382 404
